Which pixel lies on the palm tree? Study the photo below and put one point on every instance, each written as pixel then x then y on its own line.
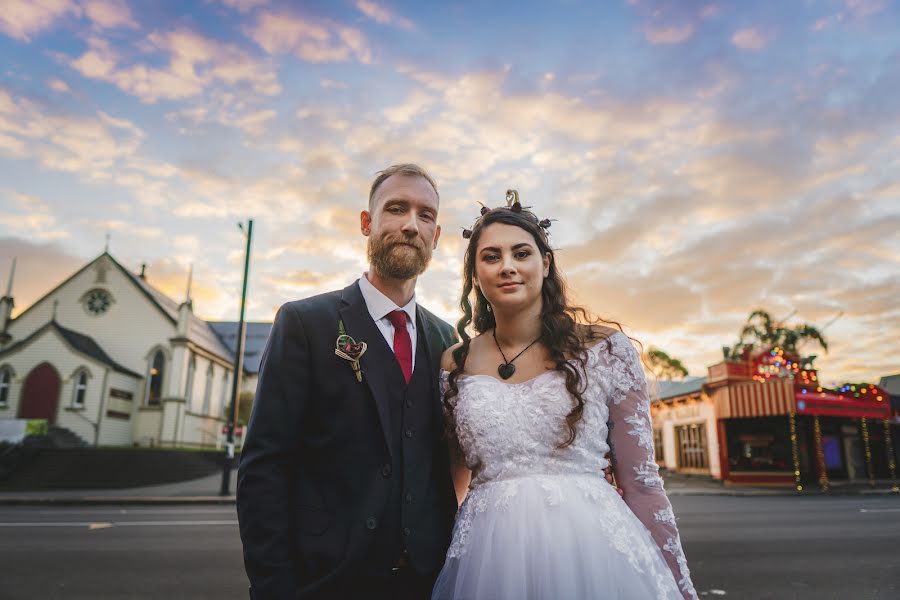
pixel 762 330
pixel 664 366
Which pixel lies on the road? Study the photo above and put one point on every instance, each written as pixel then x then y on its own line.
pixel 738 547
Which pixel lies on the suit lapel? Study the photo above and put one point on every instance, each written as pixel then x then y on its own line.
pixel 359 325
pixel 434 343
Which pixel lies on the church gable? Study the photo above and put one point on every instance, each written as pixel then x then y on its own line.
pixel 101 298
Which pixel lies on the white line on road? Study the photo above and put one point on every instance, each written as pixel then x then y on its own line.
pixel 878 510
pixel 94 525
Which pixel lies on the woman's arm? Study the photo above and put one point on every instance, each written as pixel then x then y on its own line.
pixel 637 474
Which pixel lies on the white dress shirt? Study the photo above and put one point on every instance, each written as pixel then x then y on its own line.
pixel 380 305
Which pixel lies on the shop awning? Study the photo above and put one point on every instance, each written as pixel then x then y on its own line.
pixel 754 399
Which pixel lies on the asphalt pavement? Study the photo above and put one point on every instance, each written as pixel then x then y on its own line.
pixel 778 547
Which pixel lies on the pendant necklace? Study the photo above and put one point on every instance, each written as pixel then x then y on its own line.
pixel 507 369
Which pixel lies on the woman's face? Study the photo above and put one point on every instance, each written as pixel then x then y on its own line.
pixel 509 268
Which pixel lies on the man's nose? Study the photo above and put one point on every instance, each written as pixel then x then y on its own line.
pixel 411 224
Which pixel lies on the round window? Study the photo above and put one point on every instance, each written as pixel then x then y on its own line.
pixel 97 301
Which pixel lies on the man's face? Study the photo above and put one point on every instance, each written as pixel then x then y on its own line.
pixel 402 227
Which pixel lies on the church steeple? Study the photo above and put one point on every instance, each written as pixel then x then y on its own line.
pixel 6 306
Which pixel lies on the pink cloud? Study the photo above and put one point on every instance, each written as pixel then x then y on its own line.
pixel 669 35
pixel 750 38
pixel 314 41
pixel 383 15
pixel 109 14
pixel 22 19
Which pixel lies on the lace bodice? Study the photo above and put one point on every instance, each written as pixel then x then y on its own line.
pixel 510 430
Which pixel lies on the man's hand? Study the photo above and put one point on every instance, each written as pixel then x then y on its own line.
pixel 608 474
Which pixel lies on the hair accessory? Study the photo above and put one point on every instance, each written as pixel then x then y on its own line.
pixel 513 204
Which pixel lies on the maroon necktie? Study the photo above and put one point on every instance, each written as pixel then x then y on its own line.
pixel 402 343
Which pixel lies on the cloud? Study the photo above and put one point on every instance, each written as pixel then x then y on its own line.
pixel 196 63
pixel 751 39
pixel 381 14
pixel 311 40
pixel 58 85
pixel 109 14
pixel 244 6
pixel 669 34
pixel 40 266
pixel 23 19
pixel 30 215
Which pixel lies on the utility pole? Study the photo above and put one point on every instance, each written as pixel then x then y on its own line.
pixel 238 369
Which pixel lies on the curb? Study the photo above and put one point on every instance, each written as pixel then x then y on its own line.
pixel 116 500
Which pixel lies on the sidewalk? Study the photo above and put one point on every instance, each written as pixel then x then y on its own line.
pixel 206 491
pixel 197 491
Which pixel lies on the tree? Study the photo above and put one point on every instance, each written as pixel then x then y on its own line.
pixel 762 330
pixel 664 366
pixel 244 407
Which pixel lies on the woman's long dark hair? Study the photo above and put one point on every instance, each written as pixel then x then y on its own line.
pixel 565 338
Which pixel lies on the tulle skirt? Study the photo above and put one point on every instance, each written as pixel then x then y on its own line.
pixel 551 537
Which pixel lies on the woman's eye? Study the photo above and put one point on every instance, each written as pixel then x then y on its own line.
pixel 523 254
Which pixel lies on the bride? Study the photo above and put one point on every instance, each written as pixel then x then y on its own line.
pixel 534 403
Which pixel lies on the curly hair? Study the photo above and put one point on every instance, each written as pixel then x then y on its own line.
pixel 566 330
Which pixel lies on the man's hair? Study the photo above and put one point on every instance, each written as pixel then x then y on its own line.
pixel 405 169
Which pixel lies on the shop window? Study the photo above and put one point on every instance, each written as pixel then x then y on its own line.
pixel 759 444
pixel 658 445
pixel 691 446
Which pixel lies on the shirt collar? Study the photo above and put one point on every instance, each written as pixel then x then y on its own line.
pixel 380 305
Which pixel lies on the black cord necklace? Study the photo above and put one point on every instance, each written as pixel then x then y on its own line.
pixel 508 369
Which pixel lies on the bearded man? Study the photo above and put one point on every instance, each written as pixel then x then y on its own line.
pixel 344 487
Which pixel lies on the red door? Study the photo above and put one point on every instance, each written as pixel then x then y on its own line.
pixel 40 394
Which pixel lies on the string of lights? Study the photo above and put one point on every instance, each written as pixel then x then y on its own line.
pixel 892 463
pixel 865 435
pixel 795 454
pixel 820 455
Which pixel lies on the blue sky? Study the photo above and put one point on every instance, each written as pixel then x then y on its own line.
pixel 702 159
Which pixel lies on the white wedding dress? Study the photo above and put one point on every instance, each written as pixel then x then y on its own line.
pixel 542 523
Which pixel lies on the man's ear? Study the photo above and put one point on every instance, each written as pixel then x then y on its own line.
pixel 365 223
pixel 437 236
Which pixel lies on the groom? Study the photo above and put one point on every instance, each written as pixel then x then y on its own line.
pixel 344 487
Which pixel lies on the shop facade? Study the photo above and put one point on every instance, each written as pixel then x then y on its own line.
pixel 765 419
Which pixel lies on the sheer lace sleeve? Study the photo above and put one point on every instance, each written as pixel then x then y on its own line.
pixel 634 464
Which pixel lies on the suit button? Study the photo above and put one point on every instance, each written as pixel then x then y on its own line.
pixel 408 497
pixel 406 531
pixel 409 433
pixel 409 403
pixel 371 523
pixel 386 470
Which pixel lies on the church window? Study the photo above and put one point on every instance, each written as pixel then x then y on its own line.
pixel 189 388
pixel 157 370
pixel 80 390
pixel 224 400
pixel 207 390
pixel 5 380
pixel 97 301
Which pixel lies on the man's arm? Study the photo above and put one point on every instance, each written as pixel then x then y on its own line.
pixel 269 462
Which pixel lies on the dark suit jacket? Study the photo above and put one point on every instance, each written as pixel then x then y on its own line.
pixel 310 483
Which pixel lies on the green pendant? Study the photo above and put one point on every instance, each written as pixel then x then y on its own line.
pixel 506 370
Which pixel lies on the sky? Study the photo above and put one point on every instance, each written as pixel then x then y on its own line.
pixel 701 159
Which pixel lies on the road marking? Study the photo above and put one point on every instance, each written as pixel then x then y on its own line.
pixel 90 525
pixel 878 510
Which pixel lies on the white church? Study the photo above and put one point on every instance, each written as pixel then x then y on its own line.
pixel 110 358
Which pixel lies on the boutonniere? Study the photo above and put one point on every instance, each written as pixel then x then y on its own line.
pixel 349 349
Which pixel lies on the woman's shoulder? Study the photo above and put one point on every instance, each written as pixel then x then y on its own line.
pixel 595 334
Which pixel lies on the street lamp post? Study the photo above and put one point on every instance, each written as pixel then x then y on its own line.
pixel 238 369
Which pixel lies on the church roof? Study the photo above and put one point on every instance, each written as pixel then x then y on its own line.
pixel 79 343
pixel 672 389
pixel 257 334
pixel 199 330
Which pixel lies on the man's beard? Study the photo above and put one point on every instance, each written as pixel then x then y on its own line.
pixel 390 258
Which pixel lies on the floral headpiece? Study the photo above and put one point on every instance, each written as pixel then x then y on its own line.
pixel 513 204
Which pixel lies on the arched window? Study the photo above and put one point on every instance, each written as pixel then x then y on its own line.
pixel 5 381
pixel 207 391
pixel 189 387
pixel 80 390
pixel 224 400
pixel 157 371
